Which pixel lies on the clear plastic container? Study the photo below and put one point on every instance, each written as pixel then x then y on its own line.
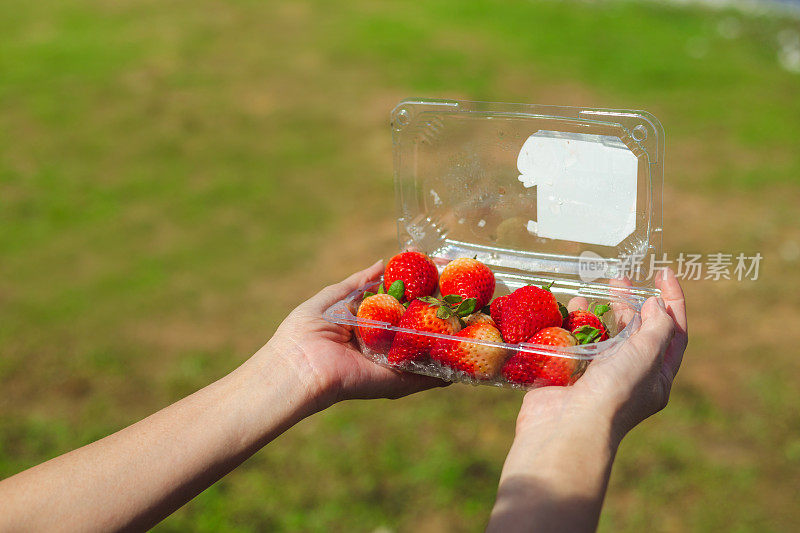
pixel 538 193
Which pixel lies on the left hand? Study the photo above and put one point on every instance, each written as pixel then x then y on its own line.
pixel 326 356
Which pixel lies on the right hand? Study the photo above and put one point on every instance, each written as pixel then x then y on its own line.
pixel 633 383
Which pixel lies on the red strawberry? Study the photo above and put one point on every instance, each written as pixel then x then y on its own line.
pixel 578 319
pixel 380 308
pixel 526 311
pixel 478 318
pixel 416 270
pixel 469 278
pixel 496 309
pixel 526 367
pixel 425 317
pixel 478 360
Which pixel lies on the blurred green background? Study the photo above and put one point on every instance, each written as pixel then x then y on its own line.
pixel 176 176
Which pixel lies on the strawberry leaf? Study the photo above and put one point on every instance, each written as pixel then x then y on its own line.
pixel 367 294
pixel 467 307
pixel 444 312
pixel 381 290
pixel 452 298
pixel 586 334
pixel 548 286
pixel 563 311
pixel 601 309
pixel 429 300
pixel 397 289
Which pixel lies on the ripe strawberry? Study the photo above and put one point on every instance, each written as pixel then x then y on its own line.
pixel 496 309
pixel 526 311
pixel 526 367
pixel 380 308
pixel 469 278
pixel 478 360
pixel 416 270
pixel 431 316
pixel 578 319
pixel 478 318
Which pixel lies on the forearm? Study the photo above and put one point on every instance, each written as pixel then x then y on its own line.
pixel 555 476
pixel 137 476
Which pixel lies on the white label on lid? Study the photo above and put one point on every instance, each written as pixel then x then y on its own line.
pixel 586 186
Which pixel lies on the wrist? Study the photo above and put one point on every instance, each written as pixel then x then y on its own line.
pixel 556 472
pixel 566 419
pixel 278 378
pixel 566 451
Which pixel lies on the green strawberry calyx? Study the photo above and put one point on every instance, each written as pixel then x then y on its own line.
pixel 563 310
pixel 587 334
pixel 451 305
pixel 397 289
pixel 599 309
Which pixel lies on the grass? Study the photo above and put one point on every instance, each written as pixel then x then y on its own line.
pixel 176 176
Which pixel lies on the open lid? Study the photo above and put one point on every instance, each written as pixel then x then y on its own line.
pixel 567 192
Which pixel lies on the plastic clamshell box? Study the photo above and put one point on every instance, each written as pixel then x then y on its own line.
pixel 538 193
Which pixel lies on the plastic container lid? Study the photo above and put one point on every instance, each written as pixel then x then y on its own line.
pixel 570 193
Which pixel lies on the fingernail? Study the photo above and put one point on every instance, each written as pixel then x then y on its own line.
pixel 660 302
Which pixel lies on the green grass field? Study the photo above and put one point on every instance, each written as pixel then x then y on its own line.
pixel 176 176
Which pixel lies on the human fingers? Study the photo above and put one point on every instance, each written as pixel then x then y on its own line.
pixel 621 302
pixel 651 341
pixel 674 300
pixel 381 382
pixel 579 302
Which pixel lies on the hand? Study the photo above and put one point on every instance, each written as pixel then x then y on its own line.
pixel 326 356
pixel 557 471
pixel 633 383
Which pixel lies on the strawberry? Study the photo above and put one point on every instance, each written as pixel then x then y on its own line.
pixel 416 270
pixel 526 311
pixel 468 278
pixel 578 319
pixel 496 309
pixel 380 308
pixel 478 318
pixel 479 360
pixel 526 367
pixel 427 315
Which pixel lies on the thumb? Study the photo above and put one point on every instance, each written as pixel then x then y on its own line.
pixel 656 331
